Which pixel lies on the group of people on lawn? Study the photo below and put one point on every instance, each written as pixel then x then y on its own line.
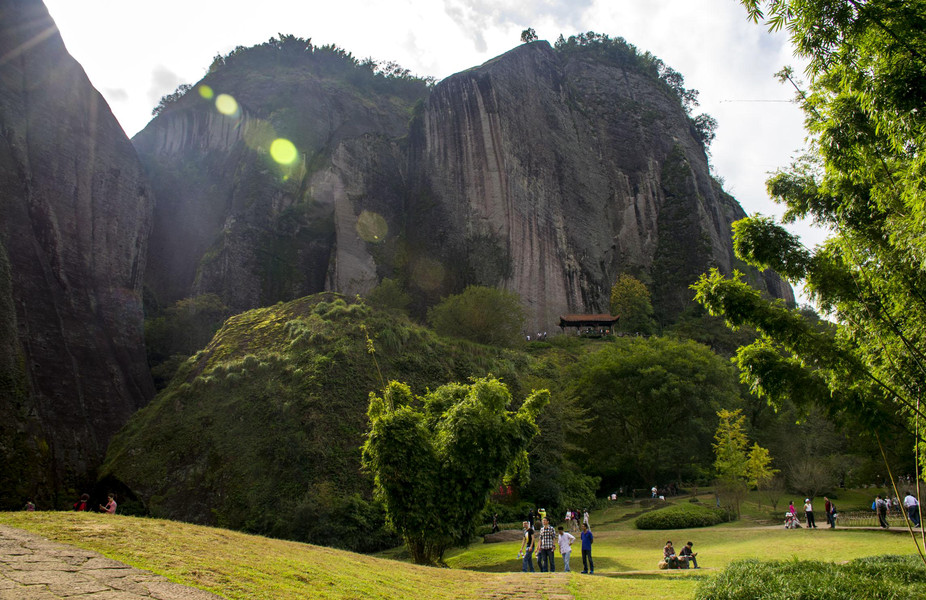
pixel 547 541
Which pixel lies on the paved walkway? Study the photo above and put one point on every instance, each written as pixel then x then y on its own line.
pixel 34 568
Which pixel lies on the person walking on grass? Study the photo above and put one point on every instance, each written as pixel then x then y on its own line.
pixel 565 540
pixel 545 557
pixel 527 548
pixel 588 566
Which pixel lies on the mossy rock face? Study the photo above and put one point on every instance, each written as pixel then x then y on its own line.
pixel 261 431
pixel 682 516
pixel 24 452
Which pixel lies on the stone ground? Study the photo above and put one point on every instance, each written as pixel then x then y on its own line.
pixel 34 568
pixel 537 586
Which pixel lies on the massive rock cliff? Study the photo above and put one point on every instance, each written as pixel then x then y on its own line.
pixel 75 212
pixel 557 171
pixel 234 220
pixel 544 171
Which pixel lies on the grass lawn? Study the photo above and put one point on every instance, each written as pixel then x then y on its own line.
pixel 239 566
pixel 626 558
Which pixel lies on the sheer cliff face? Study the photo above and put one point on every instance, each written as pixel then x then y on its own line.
pixel 542 172
pixel 233 221
pixel 575 170
pixel 75 212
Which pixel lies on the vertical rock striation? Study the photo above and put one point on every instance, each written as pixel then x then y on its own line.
pixel 75 213
pixel 546 172
pixel 556 173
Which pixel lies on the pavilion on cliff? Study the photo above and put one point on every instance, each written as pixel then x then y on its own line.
pixel 589 324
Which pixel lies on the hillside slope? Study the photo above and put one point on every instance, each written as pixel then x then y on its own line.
pixel 238 566
pixel 261 431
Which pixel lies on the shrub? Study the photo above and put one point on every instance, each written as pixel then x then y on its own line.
pixel 682 516
pixel 480 314
pixel 895 577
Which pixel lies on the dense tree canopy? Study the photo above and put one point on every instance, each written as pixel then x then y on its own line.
pixel 864 178
pixel 652 404
pixel 436 458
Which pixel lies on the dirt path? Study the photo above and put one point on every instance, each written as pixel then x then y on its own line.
pixel 528 586
pixel 34 568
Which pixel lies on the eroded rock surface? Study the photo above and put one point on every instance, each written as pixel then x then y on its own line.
pixel 543 172
pixel 75 212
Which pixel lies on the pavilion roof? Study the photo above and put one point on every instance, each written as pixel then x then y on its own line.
pixel 577 320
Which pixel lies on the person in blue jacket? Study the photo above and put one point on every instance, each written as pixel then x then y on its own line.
pixel 587 538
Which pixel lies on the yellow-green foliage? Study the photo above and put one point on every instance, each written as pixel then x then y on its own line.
pixel 262 429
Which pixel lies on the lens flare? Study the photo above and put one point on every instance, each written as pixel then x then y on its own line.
pixel 372 227
pixel 226 105
pixel 283 151
pixel 206 92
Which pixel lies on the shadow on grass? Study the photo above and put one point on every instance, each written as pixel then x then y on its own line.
pixel 654 576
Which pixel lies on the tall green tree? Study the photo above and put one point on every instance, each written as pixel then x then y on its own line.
pixel 652 404
pixel 480 314
pixel 630 300
pixel 436 458
pixel 863 178
pixel 738 466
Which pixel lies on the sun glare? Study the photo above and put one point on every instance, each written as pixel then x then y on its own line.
pixel 226 105
pixel 283 151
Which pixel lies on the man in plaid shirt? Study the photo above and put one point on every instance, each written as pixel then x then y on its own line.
pixel 547 543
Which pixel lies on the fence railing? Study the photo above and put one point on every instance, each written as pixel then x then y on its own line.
pixel 869 518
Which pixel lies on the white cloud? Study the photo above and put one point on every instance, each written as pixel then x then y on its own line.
pixel 163 81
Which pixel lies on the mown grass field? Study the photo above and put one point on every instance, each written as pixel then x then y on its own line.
pixel 239 566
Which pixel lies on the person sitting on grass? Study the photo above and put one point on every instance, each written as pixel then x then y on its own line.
pixel 687 555
pixel 669 556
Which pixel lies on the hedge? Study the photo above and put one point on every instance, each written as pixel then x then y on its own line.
pixel 682 516
pixel 878 577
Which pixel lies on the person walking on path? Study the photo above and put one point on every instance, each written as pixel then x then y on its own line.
pixel 881 508
pixel 913 508
pixel 808 513
pixel 545 557
pixel 829 510
pixel 527 548
pixel 588 566
pixel 565 540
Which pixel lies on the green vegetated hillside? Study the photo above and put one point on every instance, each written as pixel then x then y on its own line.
pixel 261 430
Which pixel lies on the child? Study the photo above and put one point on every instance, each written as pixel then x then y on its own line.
pixel 565 541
